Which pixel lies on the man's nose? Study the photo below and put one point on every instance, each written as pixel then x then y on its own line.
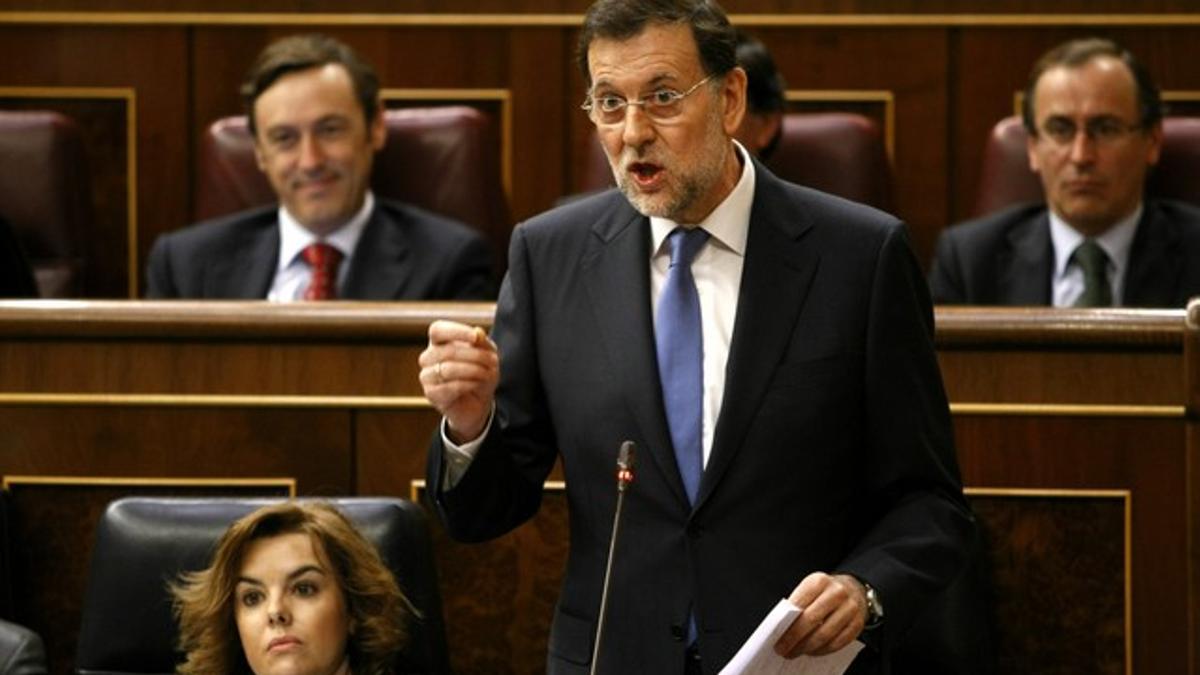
pixel 638 129
pixel 312 155
pixel 1083 147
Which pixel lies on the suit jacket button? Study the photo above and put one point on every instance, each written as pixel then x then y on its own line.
pixel 678 633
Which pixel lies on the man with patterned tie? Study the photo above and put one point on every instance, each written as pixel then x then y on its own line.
pixel 767 347
pixel 1094 118
pixel 313 107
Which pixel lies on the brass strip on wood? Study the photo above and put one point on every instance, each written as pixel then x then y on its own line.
pixel 216 401
pixel 18 480
pixel 1068 410
pixel 574 20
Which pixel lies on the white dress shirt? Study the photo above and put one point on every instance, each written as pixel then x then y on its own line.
pixel 293 274
pixel 1067 282
pixel 717 269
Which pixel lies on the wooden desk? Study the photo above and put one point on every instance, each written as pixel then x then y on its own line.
pixel 1076 435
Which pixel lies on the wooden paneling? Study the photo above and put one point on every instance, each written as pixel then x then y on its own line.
pixel 1055 412
pixel 951 76
pixel 71 58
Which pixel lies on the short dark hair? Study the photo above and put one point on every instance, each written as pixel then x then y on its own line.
pixel 764 85
pixel 765 88
pixel 301 52
pixel 1077 53
pixel 623 19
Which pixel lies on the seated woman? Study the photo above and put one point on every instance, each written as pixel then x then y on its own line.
pixel 293 587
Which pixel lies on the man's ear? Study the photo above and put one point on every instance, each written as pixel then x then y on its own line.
pixel 378 128
pixel 1154 151
pixel 1035 164
pixel 259 158
pixel 733 97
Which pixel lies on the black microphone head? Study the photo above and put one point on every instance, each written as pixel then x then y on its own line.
pixel 625 460
pixel 626 456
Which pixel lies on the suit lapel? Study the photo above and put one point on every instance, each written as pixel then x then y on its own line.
pixel 247 269
pixel 776 276
pixel 381 263
pixel 616 272
pixel 1026 267
pixel 1155 262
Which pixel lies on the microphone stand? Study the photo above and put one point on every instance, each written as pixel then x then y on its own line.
pixel 625 460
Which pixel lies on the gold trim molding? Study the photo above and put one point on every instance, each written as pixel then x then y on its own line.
pixel 289 483
pixel 129 96
pixel 1068 410
pixel 216 401
pixel 574 20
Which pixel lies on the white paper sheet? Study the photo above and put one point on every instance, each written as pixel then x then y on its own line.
pixel 757 656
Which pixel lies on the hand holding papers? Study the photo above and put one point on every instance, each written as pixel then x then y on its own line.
pixel 757 656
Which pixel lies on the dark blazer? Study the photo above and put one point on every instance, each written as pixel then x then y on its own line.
pixel 1006 258
pixel 21 651
pixel 16 278
pixel 833 449
pixel 405 253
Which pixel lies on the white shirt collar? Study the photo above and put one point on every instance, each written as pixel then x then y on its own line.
pixel 1116 241
pixel 294 237
pixel 729 223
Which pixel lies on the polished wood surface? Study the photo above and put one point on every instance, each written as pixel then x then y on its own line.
pixel 949 69
pixel 1076 436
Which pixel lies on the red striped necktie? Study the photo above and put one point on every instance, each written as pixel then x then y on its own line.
pixel 323 260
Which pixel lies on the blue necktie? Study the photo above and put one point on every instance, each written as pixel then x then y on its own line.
pixel 680 345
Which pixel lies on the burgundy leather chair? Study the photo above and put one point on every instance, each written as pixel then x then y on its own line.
pixel 45 195
pixel 1005 178
pixel 445 159
pixel 839 153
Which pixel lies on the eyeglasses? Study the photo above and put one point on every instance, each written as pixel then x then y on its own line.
pixel 661 105
pixel 1101 130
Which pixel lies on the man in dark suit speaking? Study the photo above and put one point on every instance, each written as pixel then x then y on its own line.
pixel 314 110
pixel 767 347
pixel 1094 119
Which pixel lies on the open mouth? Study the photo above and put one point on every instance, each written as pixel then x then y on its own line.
pixel 646 174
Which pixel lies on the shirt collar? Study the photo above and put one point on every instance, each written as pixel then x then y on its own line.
pixel 1116 241
pixel 294 237
pixel 729 223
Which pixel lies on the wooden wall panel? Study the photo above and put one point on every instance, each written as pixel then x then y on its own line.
pixel 1100 8
pixel 230 407
pixel 1146 457
pixel 951 78
pixel 153 63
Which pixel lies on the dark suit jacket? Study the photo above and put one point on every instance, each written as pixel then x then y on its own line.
pixel 21 651
pixel 1006 258
pixel 405 253
pixel 16 279
pixel 833 449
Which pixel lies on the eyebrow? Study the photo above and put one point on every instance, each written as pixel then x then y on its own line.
pixel 656 81
pixel 298 572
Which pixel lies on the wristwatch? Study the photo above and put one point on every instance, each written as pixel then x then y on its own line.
pixel 874 607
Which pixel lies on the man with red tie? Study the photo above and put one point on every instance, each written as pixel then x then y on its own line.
pixel 313 107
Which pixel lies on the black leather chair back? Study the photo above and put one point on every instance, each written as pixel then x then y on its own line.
pixel 144 543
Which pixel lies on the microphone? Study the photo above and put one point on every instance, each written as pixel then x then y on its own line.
pixel 625 462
